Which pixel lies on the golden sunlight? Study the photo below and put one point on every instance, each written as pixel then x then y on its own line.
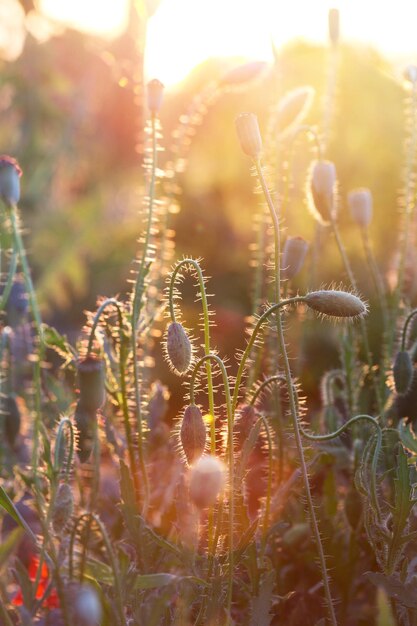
pixel 107 18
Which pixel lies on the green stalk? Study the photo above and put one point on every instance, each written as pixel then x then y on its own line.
pixel 9 281
pixel 410 316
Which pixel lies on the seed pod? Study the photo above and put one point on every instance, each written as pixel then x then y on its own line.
pixel 360 204
pixel 12 419
pixel 63 507
pixel 334 26
pixel 249 135
pixel 336 303
pixel 155 93
pixel 10 174
pixel 403 372
pixel 243 73
pixel 193 433
pixel 178 348
pixel 292 109
pixel 84 421
pixel 207 478
pixel 91 383
pixel 245 420
pixel 322 187
pixel 295 250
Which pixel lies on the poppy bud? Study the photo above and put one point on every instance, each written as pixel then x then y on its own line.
pixel 243 73
pixel 249 135
pixel 360 204
pixel 292 109
pixel 10 174
pixel 207 478
pixel 91 383
pixel 295 250
pixel 84 421
pixel 336 303
pixel 193 433
pixel 178 348
pixel 155 92
pixel 322 186
pixel 403 372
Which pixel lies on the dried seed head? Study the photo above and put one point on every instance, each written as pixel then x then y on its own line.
pixel 243 73
pixel 336 303
pixel 207 479
pixel 323 191
pixel 84 421
pixel 245 420
pixel 292 109
pixel 155 93
pixel 178 348
pixel 193 433
pixel 10 174
pixel 12 419
pixel 91 380
pixel 360 204
pixel 295 250
pixel 403 372
pixel 249 135
pixel 63 507
pixel 334 26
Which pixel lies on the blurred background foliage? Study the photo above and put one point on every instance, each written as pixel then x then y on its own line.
pixel 72 113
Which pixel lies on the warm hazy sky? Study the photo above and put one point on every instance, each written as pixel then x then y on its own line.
pixel 184 32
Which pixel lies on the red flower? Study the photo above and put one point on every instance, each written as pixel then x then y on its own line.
pixel 52 601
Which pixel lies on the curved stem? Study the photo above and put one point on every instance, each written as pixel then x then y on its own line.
pixel 410 316
pixel 229 452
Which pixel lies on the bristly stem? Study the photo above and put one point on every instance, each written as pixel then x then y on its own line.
pixel 292 399
pixel 410 316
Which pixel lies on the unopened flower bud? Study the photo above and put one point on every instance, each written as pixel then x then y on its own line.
pixel 334 26
pixel 336 303
pixel 155 92
pixel 63 507
pixel 292 109
pixel 295 250
pixel 178 348
pixel 360 204
pixel 84 421
pixel 207 479
pixel 193 433
pixel 403 372
pixel 322 185
pixel 10 174
pixel 243 73
pixel 249 135
pixel 91 380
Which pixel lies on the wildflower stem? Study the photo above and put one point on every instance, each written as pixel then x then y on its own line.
pixel 9 280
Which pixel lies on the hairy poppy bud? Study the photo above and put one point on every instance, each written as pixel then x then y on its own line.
pixel 91 383
pixel 193 433
pixel 334 26
pixel 63 507
pixel 178 348
pixel 295 250
pixel 403 372
pixel 336 303
pixel 322 187
pixel 243 73
pixel 10 174
pixel 292 109
pixel 155 92
pixel 249 135
pixel 360 204
pixel 207 478
pixel 84 421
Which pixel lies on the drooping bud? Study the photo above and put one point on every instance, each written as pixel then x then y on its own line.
pixel 193 433
pixel 91 380
pixel 155 93
pixel 84 421
pixel 334 26
pixel 207 479
pixel 178 348
pixel 63 507
pixel 10 174
pixel 403 372
pixel 360 204
pixel 249 135
pixel 336 303
pixel 243 74
pixel 12 419
pixel 292 109
pixel 323 191
pixel 295 250
pixel 245 420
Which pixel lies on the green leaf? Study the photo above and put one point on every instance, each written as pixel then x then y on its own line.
pixel 260 615
pixel 99 571
pixel 8 505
